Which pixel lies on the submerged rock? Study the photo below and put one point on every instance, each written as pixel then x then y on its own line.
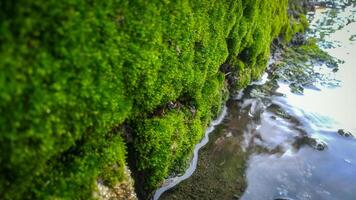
pixel 296 88
pixel 299 39
pixel 317 144
pixel 344 133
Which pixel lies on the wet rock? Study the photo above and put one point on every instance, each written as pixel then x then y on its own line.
pixel 296 88
pixel 344 133
pixel 255 93
pixel 320 146
pixel 123 190
pixel 297 67
pixel 278 111
pixel 336 69
pixel 349 21
pixel 352 38
pixel 299 39
pixel 274 117
pixel 317 144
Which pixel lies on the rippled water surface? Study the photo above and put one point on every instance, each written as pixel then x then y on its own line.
pixel 274 144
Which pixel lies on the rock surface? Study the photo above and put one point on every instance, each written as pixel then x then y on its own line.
pixel 121 191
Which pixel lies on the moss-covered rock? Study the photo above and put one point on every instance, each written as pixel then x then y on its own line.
pixel 72 72
pixel 298 66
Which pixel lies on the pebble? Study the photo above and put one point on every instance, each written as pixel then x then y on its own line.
pixel 344 133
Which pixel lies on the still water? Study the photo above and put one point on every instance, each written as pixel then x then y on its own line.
pixel 274 144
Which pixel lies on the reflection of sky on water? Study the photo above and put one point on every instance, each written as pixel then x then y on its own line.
pixel 337 103
pixel 308 173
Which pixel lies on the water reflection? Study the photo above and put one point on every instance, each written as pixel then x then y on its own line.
pixel 327 170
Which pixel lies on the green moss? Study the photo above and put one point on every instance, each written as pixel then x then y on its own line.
pixel 250 38
pixel 295 26
pixel 71 71
pixel 74 173
pixel 156 152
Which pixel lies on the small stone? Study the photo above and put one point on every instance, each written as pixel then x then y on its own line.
pixel 335 69
pixel 229 135
pixel 296 88
pixel 317 144
pixel 320 147
pixel 344 133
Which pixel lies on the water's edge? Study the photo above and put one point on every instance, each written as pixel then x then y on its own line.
pixel 171 182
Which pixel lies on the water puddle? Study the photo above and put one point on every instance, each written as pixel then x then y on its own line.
pixel 277 144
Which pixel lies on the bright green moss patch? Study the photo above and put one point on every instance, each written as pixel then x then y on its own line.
pixel 71 72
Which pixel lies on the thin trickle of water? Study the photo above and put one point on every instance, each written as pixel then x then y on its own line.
pixel 170 183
